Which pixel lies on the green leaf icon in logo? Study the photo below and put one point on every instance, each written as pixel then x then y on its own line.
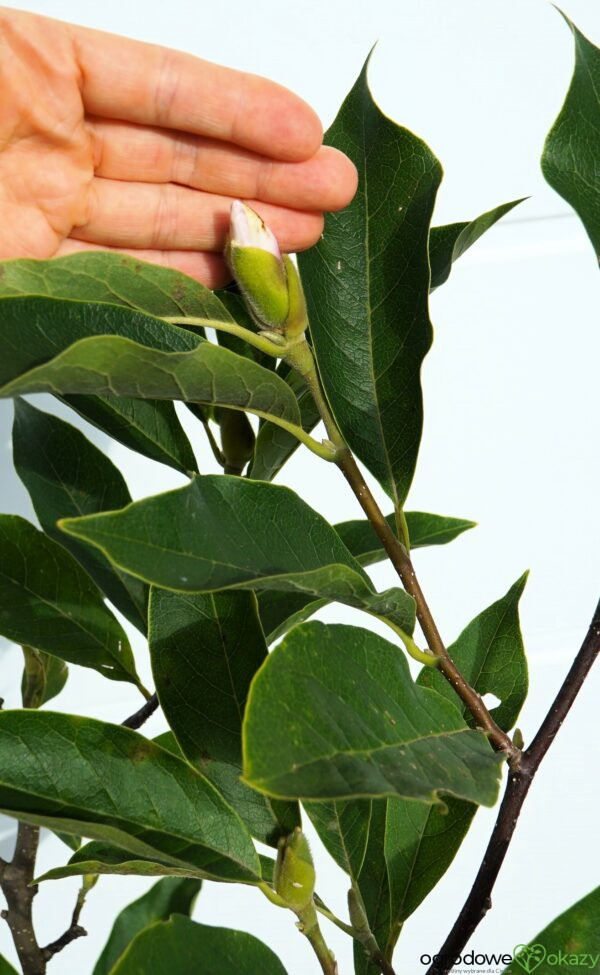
pixel 529 956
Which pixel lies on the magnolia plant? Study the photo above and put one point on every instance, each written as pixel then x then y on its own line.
pixel 385 745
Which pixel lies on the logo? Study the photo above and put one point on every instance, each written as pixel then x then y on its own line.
pixel 529 956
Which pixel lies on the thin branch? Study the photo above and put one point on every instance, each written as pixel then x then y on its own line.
pixel 74 930
pixel 479 900
pixel 137 720
pixel 379 959
pixel 301 358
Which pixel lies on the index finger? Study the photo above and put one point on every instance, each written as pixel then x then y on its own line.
pixel 144 83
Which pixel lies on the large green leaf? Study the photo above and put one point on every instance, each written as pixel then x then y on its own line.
pixel 352 723
pixel 367 288
pixel 66 475
pixel 569 943
pixel 114 366
pixel 279 611
pixel 224 532
pixel 169 896
pixel 571 156
pixel 205 650
pixel 109 783
pixel 48 602
pixel 35 329
pixel 180 946
pixel 112 278
pixel 448 243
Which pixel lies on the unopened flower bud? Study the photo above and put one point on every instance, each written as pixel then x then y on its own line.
pixel 268 280
pixel 294 876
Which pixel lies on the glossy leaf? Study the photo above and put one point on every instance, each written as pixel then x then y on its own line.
pixel 67 476
pixel 48 602
pixel 108 366
pixel 571 156
pixel 567 944
pixel 491 655
pixel 35 329
pixel 167 897
pixel 367 288
pixel 352 723
pixel 179 945
pixel 448 243
pixel 279 611
pixel 228 532
pixel 205 650
pixel 109 783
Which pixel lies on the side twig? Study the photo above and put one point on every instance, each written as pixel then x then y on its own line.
pixel 137 720
pixel 479 900
pixel 74 930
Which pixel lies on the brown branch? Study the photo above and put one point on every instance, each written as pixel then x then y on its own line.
pixel 479 900
pixel 137 720
pixel 74 930
pixel 401 561
pixel 15 879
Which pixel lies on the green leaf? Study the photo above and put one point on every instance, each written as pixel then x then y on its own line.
pixel 119 367
pixel 491 655
pixel 205 650
pixel 111 784
pixel 224 532
pixel 169 896
pixel 569 943
pixel 448 243
pixel 351 723
pixel 36 329
pixel 571 156
pixel 66 475
pixel 373 884
pixel 279 611
pixel 367 288
pixel 343 828
pixel 177 946
pixel 113 278
pixel 105 858
pixel 44 675
pixel 5 967
pixel 48 602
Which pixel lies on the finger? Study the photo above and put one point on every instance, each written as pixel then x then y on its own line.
pixel 126 79
pixel 209 269
pixel 124 151
pixel 165 216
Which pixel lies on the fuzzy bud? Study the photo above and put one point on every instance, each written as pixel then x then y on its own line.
pixel 294 876
pixel 267 279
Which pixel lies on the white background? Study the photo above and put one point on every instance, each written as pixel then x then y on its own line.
pixel 511 428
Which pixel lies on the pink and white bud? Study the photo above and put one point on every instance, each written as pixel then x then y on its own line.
pixel 247 229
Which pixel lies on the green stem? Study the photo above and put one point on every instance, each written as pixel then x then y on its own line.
pixel 309 926
pixel 267 345
pixel 302 359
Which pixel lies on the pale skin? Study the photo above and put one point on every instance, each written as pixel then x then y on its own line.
pixel 108 143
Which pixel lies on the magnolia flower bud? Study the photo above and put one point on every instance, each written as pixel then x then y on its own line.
pixel 267 278
pixel 294 876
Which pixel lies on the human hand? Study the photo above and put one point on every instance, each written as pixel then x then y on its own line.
pixel 110 143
